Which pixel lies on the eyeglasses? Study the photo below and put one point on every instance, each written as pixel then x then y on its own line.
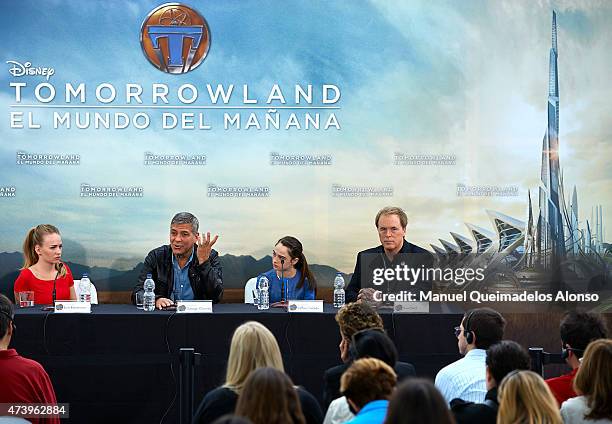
pixel 458 331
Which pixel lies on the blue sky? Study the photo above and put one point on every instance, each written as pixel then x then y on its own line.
pixel 464 78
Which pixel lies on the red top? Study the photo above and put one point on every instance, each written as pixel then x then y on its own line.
pixel 25 381
pixel 43 289
pixel 562 387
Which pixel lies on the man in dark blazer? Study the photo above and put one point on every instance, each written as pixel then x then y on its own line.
pixel 394 250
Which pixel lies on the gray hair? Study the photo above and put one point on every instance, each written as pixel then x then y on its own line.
pixel 186 218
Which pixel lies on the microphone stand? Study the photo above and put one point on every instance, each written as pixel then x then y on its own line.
pixel 282 281
pixel 53 295
pixel 283 301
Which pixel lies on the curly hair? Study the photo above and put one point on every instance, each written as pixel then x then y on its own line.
pixel 355 317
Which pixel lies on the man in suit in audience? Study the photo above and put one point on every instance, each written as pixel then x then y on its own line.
pixel 22 380
pixel 502 358
pixel 465 379
pixel 186 269
pixel 577 330
pixel 352 318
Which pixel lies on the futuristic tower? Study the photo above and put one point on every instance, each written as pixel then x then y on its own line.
pixel 550 244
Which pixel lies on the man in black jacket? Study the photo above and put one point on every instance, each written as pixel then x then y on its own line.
pixel 502 358
pixel 186 269
pixel 394 251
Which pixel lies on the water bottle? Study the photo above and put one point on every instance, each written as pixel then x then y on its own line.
pixel 149 294
pixel 264 294
pixel 85 289
pixel 338 291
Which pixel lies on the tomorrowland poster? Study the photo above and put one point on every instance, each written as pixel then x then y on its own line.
pixel 488 122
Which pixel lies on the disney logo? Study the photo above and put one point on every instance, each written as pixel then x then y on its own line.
pixel 26 69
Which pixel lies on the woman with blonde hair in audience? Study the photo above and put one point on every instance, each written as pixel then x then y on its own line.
pixel 524 398
pixel 593 384
pixel 253 346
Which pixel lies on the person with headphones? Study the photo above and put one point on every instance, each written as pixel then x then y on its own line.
pixel 577 330
pixel 502 358
pixel 23 380
pixel 466 378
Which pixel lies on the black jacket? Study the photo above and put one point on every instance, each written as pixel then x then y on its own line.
pixel 206 279
pixel 222 401
pixel 375 258
pixel 481 413
pixel 331 385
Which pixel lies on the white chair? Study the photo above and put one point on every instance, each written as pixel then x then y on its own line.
pixel 92 291
pixel 249 288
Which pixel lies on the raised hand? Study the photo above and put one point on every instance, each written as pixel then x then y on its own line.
pixel 205 245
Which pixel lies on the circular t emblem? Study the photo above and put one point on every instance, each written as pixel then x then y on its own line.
pixel 175 38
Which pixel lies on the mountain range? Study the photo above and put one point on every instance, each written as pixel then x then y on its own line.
pixel 236 271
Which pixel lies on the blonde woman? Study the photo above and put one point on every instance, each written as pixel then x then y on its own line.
pixel 524 398
pixel 42 252
pixel 253 346
pixel 593 383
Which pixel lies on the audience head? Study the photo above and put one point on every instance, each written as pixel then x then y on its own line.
pixel 374 343
pixel 480 328
pixel 504 357
pixel 43 242
pixel 354 317
pixel 367 380
pixel 524 397
pixel 577 330
pixel 417 401
pixel 594 379
pixel 253 346
pixel 7 325
pixel 269 397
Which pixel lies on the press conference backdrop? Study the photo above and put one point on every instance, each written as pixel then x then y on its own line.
pixel 487 122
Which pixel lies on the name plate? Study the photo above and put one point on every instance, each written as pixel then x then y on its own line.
pixel 411 307
pixel 194 307
pixel 305 306
pixel 72 307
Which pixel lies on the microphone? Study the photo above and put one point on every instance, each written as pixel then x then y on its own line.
pixel 53 293
pixel 59 269
pixel 283 280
